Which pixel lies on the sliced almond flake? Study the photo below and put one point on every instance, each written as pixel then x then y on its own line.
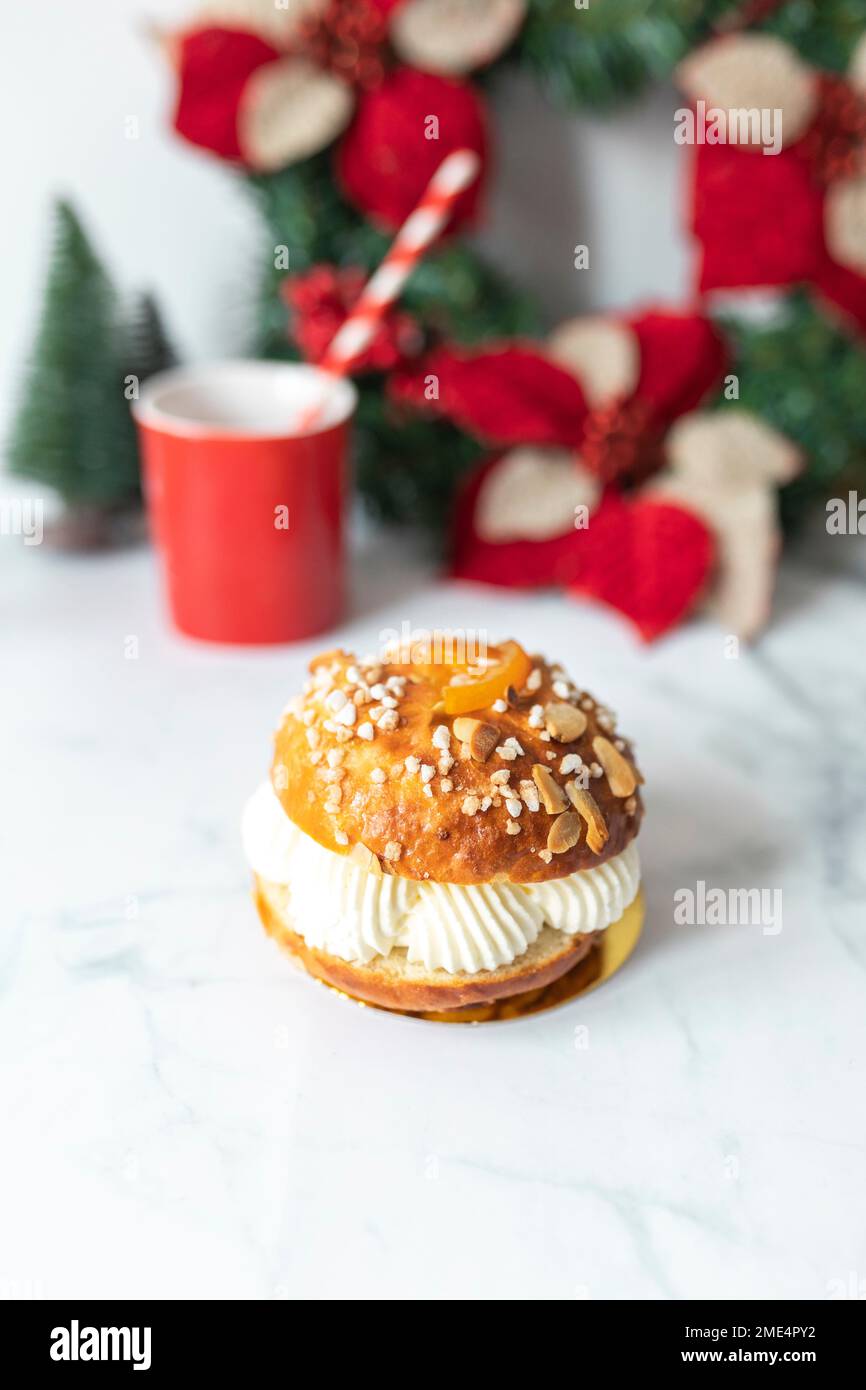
pixel 564 722
pixel 552 794
pixel 586 806
pixel 619 772
pixel 564 833
pixel 478 736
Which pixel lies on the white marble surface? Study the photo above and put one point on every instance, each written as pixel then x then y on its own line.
pixel 184 1115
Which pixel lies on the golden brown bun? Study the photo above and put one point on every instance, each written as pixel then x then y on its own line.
pixel 431 836
pixel 391 982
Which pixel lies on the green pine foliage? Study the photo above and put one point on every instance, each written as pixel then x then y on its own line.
pixel 596 56
pixel 73 430
pixel 825 32
pixel 406 468
pixel 806 376
pixel 146 348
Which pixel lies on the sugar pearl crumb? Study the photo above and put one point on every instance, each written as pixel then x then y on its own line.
pixel 513 806
pixel 499 706
pixel 546 855
pixel 341 837
pixel 512 828
pixel 412 763
pixel 442 737
pixel 470 805
pixel 378 775
pixel 446 784
pixel 366 731
pixel 393 850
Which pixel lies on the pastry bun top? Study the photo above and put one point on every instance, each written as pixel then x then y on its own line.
pixel 469 772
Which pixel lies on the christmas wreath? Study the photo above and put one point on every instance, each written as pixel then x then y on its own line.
pixel 673 429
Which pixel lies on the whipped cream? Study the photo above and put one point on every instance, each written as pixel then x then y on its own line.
pixel 340 908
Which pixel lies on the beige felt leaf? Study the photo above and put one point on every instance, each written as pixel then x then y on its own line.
pixel 276 23
pixel 531 494
pixel 730 449
pixel 753 72
pixel 857 66
pixel 290 109
pixel 604 356
pixel 454 36
pixel 726 466
pixel 845 223
pixel 748 541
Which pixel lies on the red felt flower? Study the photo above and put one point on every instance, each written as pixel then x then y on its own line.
pixel 594 416
pixel 269 88
pixel 320 301
pixel 510 394
pixel 399 137
pixel 648 559
pixel 793 216
pixel 215 66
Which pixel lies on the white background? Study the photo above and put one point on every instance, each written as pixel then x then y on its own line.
pixel 168 217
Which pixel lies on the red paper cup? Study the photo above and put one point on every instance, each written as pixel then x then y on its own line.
pixel 246 511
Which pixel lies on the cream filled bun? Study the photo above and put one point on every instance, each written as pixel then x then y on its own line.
pixel 441 833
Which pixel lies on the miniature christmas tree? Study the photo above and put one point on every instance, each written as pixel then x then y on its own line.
pixel 147 348
pixel 73 429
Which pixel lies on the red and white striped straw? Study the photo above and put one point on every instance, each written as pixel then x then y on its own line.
pixel 421 228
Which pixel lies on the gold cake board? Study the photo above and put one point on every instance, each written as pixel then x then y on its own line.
pixel 613 950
